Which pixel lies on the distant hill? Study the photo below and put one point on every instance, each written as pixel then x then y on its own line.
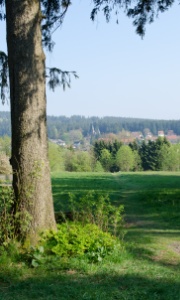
pixel 5 126
pixel 57 126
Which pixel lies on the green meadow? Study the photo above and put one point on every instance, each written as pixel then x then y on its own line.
pixel 148 267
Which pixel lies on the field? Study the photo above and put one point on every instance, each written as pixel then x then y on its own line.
pixel 149 265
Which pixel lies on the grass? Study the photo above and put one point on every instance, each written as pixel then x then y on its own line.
pixel 148 267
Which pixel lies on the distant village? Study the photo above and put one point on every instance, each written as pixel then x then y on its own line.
pixel 148 136
pixel 124 136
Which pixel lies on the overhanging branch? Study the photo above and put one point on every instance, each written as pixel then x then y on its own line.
pixel 57 77
pixel 142 12
pixel 53 12
pixel 4 76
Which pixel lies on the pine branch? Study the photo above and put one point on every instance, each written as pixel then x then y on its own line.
pixel 54 12
pixel 2 13
pixel 141 11
pixel 4 75
pixel 58 77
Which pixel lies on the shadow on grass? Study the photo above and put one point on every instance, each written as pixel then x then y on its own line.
pixel 150 201
pixel 100 286
pixel 158 247
pixel 152 213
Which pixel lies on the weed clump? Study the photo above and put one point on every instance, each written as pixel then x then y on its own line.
pixel 93 230
pixel 74 239
pixel 91 226
pixel 94 208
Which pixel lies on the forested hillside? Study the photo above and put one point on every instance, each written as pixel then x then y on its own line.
pixel 5 128
pixel 57 126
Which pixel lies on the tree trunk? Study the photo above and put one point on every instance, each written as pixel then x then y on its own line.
pixel 33 206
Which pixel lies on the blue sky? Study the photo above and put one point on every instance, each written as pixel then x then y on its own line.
pixel 119 73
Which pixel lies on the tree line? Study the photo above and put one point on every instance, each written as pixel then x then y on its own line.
pixel 157 155
pixel 58 126
pixel 115 156
pixel 106 156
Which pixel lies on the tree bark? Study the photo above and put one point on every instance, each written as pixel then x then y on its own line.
pixel 33 206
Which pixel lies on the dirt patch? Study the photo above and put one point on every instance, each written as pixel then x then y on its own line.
pixel 71 272
pixel 139 223
pixel 175 246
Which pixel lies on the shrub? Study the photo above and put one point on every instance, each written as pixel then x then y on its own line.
pixel 5 167
pixel 96 209
pixel 74 239
pixel 6 218
pixel 56 157
pixel 9 220
pixel 125 158
pixel 98 167
pixel 78 161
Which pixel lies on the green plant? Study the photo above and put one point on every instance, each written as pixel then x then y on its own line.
pixel 75 239
pixel 5 167
pixel 96 209
pixel 10 218
pixel 34 256
pixel 7 229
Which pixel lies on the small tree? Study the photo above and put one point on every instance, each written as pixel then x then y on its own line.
pixel 5 167
pixel 106 159
pixel 170 158
pixel 78 161
pixel 137 161
pixel 125 158
pixel 98 167
pixel 5 145
pixel 56 159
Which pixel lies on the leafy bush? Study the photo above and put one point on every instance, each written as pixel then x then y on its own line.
pixel 78 161
pixel 96 209
pixel 98 167
pixel 74 239
pixel 9 220
pixel 56 157
pixel 34 256
pixel 6 219
pixel 5 167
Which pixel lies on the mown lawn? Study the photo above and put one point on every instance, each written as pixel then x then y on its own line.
pixel 148 266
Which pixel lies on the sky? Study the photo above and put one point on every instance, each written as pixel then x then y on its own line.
pixel 120 74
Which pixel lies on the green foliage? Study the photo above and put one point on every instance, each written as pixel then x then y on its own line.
pixel 5 167
pixel 152 155
pixel 170 158
pixel 78 161
pixel 98 167
pixel 5 152
pixel 105 159
pixel 56 157
pixel 7 225
pixel 5 145
pixel 34 256
pixel 54 12
pixel 57 77
pixel 75 239
pixel 102 144
pixel 125 158
pixel 142 12
pixel 96 209
pixel 11 219
pixel 145 268
pixel 137 161
pixel 4 73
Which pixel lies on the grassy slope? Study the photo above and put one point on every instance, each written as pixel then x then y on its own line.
pixel 149 267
